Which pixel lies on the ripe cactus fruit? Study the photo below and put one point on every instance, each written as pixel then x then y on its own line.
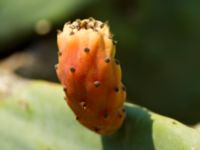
pixel 90 75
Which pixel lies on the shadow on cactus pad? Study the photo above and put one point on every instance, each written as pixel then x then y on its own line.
pixel 136 132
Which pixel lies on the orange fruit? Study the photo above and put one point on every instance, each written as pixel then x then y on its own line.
pixel 90 75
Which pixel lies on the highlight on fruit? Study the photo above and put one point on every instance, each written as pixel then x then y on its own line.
pixel 91 75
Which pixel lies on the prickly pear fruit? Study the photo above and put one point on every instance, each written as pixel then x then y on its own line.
pixel 90 75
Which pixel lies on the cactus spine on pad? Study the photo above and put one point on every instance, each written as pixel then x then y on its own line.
pixel 90 75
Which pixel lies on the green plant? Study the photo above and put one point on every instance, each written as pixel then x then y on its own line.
pixel 149 130
pixel 34 116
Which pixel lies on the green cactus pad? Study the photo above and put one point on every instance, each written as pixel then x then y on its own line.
pixel 144 130
pixel 34 116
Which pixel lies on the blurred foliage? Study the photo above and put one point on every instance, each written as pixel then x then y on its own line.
pixel 159 52
pixel 20 18
pixel 158 45
pixel 34 116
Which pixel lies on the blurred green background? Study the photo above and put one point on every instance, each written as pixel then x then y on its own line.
pixel 158 46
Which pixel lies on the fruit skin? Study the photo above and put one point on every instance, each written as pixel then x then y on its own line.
pixel 90 75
